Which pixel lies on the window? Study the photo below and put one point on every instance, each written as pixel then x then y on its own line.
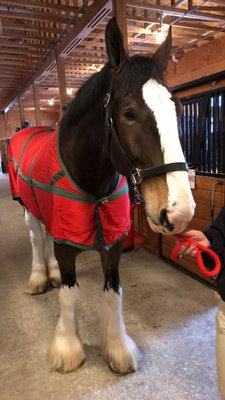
pixel 203 132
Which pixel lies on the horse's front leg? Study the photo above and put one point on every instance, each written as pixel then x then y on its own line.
pixel 66 351
pixel 119 349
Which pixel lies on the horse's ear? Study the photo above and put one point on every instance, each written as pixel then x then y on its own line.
pixel 114 43
pixel 161 56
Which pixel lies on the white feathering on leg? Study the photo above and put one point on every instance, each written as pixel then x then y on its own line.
pixel 66 351
pixel 119 349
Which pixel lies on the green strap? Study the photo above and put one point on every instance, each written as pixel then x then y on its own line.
pixel 57 177
pixel 54 189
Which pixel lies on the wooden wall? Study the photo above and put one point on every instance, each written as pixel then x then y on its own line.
pixel 12 120
pixel 198 63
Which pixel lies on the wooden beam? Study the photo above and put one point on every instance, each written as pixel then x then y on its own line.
pixel 62 83
pixel 23 25
pixel 179 24
pixel 213 9
pixel 43 5
pixel 20 13
pixel 37 104
pixel 119 11
pixel 177 12
pixel 31 53
pixel 75 35
pixel 190 4
pixel 15 63
pixel 22 115
pixel 178 2
pixel 14 35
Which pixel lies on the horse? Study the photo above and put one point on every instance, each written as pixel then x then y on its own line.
pixel 122 123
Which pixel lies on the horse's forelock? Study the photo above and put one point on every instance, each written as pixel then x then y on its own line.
pixel 136 71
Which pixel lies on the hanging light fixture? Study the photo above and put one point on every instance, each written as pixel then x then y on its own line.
pixel 161 32
pixel 69 91
pixel 51 101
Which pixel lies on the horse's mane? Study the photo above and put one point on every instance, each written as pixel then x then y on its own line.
pixel 87 95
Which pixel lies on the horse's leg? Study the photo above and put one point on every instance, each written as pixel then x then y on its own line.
pixel 66 351
pixel 53 271
pixel 38 279
pixel 119 349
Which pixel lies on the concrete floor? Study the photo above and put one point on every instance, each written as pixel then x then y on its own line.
pixel 170 316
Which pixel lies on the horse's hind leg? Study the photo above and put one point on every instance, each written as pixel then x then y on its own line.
pixel 53 271
pixel 38 279
pixel 119 349
pixel 66 351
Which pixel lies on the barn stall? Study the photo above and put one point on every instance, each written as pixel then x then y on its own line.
pixel 48 50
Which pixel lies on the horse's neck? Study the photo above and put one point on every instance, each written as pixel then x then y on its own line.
pixel 85 156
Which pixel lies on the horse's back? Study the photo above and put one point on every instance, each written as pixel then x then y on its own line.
pixel 27 150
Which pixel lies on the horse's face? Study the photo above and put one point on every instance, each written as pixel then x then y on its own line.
pixel 145 119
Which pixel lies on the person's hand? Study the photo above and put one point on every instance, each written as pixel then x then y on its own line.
pixel 197 236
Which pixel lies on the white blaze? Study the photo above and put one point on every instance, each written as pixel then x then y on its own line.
pixel 158 99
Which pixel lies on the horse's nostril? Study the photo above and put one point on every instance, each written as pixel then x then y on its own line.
pixel 164 220
pixel 174 204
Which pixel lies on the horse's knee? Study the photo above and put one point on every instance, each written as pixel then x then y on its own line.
pixel 220 347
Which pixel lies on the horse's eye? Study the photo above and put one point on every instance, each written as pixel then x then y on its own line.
pixel 129 115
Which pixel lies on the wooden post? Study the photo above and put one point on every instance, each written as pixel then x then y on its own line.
pixel 63 98
pixel 5 125
pixel 37 107
pixel 22 115
pixel 119 10
pixel 190 4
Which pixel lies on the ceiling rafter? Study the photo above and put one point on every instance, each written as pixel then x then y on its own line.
pixel 177 12
pixel 47 6
pixel 29 45
pixel 17 13
pixel 27 26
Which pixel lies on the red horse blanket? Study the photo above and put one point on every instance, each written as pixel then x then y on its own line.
pixel 40 180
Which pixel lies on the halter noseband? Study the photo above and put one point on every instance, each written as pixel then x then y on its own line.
pixel 136 174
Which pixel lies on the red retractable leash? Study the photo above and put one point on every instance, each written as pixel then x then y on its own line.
pixel 185 241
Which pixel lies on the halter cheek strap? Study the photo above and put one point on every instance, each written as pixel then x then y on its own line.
pixel 136 174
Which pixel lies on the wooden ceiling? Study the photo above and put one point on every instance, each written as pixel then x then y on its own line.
pixel 33 31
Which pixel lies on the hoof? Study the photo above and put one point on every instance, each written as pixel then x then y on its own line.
pixel 55 277
pixel 66 354
pixel 123 357
pixel 37 284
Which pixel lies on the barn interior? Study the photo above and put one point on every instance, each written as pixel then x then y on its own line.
pixel 48 49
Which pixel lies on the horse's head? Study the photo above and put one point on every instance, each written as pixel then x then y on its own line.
pixel 144 116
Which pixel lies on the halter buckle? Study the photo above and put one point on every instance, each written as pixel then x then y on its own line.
pixel 107 99
pixel 136 177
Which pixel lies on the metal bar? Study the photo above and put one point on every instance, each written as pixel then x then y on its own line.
pixel 215 131
pixel 222 132
pixel 220 138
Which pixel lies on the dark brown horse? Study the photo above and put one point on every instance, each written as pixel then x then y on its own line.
pixel 123 120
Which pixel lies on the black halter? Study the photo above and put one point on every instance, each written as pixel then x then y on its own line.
pixel 136 174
